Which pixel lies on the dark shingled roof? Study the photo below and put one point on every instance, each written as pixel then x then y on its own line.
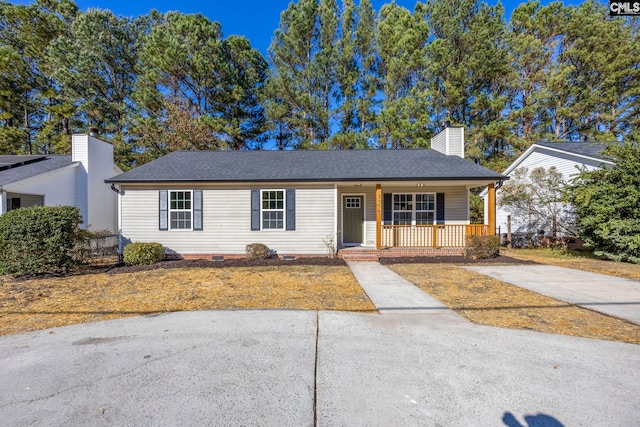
pixel 16 168
pixel 588 149
pixel 306 166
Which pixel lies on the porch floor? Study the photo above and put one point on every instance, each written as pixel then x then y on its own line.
pixel 370 253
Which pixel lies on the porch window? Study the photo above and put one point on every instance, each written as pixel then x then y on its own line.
pixel 180 211
pixel 273 209
pixel 414 209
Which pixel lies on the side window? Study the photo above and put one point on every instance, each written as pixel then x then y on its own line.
pixel 180 210
pixel 272 209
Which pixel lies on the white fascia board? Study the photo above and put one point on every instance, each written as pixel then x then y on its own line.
pixel 582 156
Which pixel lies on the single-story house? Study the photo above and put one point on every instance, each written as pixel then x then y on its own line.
pixel 75 180
pixel 213 203
pixel 569 158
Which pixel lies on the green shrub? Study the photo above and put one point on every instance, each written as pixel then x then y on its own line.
pixel 141 253
pixel 41 239
pixel 257 251
pixel 482 247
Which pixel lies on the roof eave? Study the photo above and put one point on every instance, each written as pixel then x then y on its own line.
pixel 227 181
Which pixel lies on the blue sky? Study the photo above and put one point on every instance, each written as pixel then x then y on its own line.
pixel 255 19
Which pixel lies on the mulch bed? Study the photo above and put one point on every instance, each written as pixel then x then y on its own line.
pixel 239 262
pixel 460 260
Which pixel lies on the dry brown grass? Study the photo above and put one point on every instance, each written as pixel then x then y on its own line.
pixel 577 261
pixel 45 303
pixel 488 301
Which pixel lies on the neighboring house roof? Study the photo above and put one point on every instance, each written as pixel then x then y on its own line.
pixel 586 150
pixel 17 168
pixel 306 165
pixel 579 150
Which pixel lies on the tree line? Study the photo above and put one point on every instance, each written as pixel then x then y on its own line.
pixel 338 75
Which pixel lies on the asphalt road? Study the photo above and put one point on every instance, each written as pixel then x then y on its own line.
pixel 299 368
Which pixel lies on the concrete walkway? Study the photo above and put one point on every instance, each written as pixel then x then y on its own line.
pixel 392 293
pixel 610 295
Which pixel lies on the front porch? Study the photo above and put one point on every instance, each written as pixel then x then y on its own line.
pixel 417 219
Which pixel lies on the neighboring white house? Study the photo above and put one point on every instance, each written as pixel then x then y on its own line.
pixel 211 203
pixel 52 180
pixel 568 158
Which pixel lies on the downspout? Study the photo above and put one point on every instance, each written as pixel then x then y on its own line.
pixel 120 193
pixel 3 201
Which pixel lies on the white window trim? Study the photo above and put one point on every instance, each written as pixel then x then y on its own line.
pixel 413 209
pixel 284 210
pixel 169 210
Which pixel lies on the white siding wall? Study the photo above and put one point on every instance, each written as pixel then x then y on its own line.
pixel 439 142
pixel 227 220
pixel 57 186
pixel 456 201
pixel 566 164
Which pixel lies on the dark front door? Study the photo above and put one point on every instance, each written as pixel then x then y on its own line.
pixel 352 220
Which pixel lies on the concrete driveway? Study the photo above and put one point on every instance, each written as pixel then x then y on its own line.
pixel 610 295
pixel 303 368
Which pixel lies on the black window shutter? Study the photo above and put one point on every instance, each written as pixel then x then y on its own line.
pixel 291 209
pixel 387 208
pixel 163 216
pixel 255 210
pixel 439 208
pixel 197 210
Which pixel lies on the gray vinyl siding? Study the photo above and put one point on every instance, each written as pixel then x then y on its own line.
pixel 227 220
pixel 456 204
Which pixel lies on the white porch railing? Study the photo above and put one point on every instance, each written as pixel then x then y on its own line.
pixel 430 236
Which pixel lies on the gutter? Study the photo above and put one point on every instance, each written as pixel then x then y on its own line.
pixel 315 180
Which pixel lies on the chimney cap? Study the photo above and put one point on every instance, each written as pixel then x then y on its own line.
pixel 447 123
pixel 93 132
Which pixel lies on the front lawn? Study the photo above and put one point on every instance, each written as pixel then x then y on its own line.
pixel 484 300
pixel 42 303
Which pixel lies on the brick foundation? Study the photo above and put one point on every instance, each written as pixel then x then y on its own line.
pixel 348 254
pixel 372 254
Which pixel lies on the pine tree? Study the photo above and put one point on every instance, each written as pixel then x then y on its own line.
pixel 94 65
pixel 195 89
pixel 368 62
pixel 533 36
pixel 31 119
pixel 469 73
pixel 402 38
